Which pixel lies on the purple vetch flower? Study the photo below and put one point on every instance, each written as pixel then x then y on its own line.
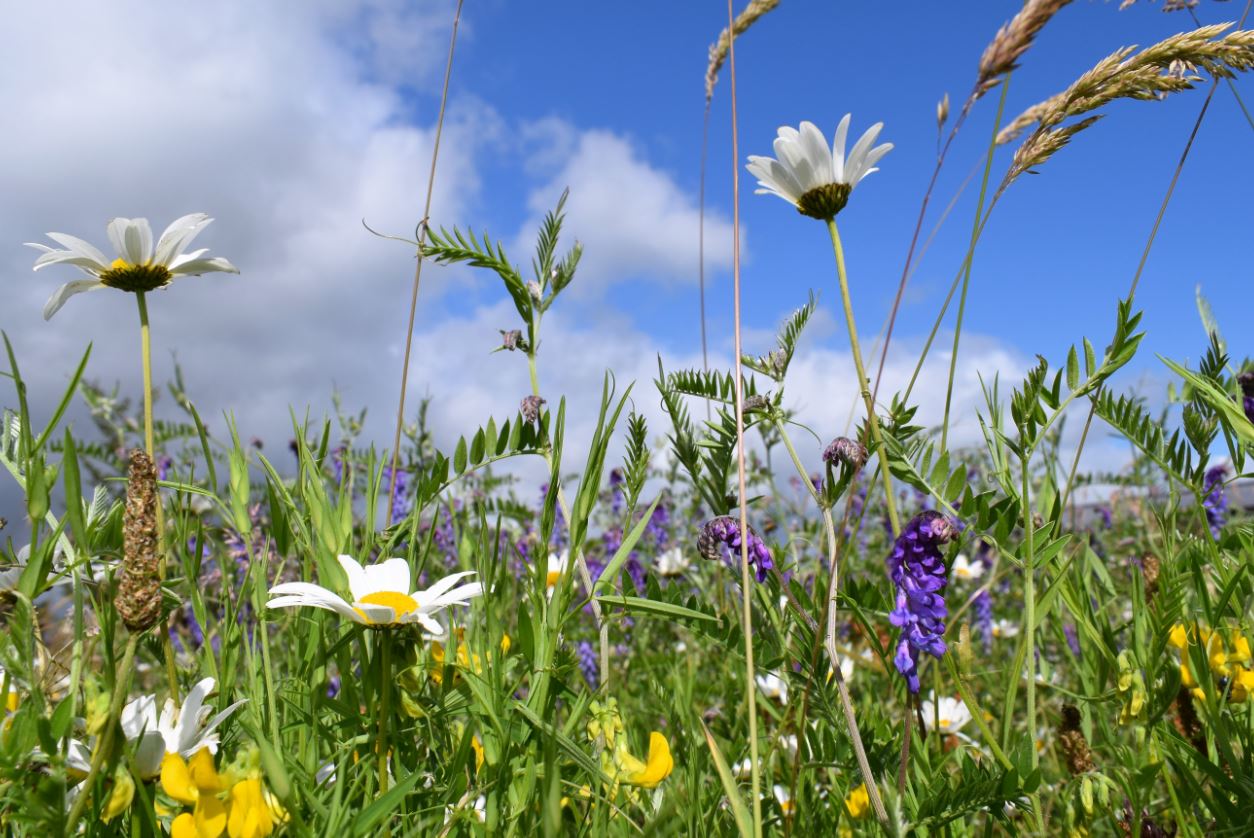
pixel 333 686
pixel 400 496
pixel 164 464
pixel 918 570
pixel 1104 511
pixel 1216 500
pixel 657 530
pixel 1073 638
pixel 720 538
pixel 530 408
pixel 982 607
pixel 616 492
pixel 1246 380
pixel 586 655
pixel 337 464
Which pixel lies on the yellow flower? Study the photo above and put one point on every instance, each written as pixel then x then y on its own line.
pixel 658 768
pixel 464 658
pixel 1240 649
pixel 250 814
pixel 858 803
pixel 1242 684
pixel 195 783
pixel 1178 637
pixel 120 796
pixel 477 747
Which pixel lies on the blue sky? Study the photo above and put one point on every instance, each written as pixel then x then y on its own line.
pixel 1062 246
pixel 289 127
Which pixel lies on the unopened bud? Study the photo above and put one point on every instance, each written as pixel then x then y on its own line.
pixel 510 339
pixel 942 111
pixel 530 408
pixel 533 288
pixel 846 452
pixel 756 402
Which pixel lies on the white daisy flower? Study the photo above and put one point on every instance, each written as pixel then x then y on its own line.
pixel 381 595
pixel 773 686
pixel 965 569
pixel 1005 628
pixel 557 566
pixel 673 562
pixel 179 730
pixel 784 799
pixel 138 267
pixel 478 809
pixel 949 714
pixel 813 178
pixel 743 770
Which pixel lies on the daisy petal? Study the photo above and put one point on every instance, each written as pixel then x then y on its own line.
pixel 390 575
pixel 66 291
pixel 178 236
pixel 358 584
pixel 440 587
pixel 132 239
pixel 838 149
pixel 195 267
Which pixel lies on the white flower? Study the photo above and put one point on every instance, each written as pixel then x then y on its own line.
pixel 788 744
pixel 743 770
pixel 479 808
pixel 138 267
pixel 381 595
pixel 1005 628
pixel 949 714
pixel 673 562
pixel 784 799
pixel 965 569
pixel 813 178
pixel 557 566
pixel 773 686
pixel 179 730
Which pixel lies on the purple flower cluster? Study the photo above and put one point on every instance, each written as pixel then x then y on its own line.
pixel 1216 501
pixel 720 538
pixel 400 497
pixel 918 570
pixel 586 655
pixel 982 608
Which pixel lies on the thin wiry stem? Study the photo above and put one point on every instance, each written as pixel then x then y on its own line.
pixel 829 636
pixel 966 275
pixel 746 581
pixel 705 147
pixel 914 238
pixel 422 237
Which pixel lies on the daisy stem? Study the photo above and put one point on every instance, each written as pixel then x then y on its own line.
pixel 846 703
pixel 385 707
pixel 100 751
pixel 145 351
pixel 871 418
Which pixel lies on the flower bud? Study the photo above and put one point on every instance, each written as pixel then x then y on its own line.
pixel 530 408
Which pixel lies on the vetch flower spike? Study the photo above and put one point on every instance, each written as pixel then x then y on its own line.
pixel 815 179
pixel 138 267
pixel 381 596
pixel 918 571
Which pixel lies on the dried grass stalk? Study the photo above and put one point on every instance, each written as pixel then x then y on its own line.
pixel 1165 67
pixel 1012 41
pixel 138 599
pixel 718 51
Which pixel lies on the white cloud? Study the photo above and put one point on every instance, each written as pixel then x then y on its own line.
pixel 634 220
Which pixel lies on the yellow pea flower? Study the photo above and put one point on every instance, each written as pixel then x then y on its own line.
pixel 249 815
pixel 1242 685
pixel 858 803
pixel 195 783
pixel 1179 636
pixel 120 796
pixel 658 768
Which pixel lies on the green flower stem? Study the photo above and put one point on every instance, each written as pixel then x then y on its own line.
pixel 104 742
pixel 1029 611
pixel 871 418
pixel 145 351
pixel 385 706
pixel 829 642
pixel 581 564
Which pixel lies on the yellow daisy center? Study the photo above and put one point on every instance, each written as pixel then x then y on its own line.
pixel 401 604
pixel 554 575
pixel 124 276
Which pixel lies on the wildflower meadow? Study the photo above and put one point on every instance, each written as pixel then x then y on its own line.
pixel 701 613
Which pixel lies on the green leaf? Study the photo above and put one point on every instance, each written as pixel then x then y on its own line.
pixel 610 572
pixel 652 606
pixel 459 456
pixel 739 809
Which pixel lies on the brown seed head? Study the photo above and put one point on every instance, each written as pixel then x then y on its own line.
pixel 138 598
pixel 1075 747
